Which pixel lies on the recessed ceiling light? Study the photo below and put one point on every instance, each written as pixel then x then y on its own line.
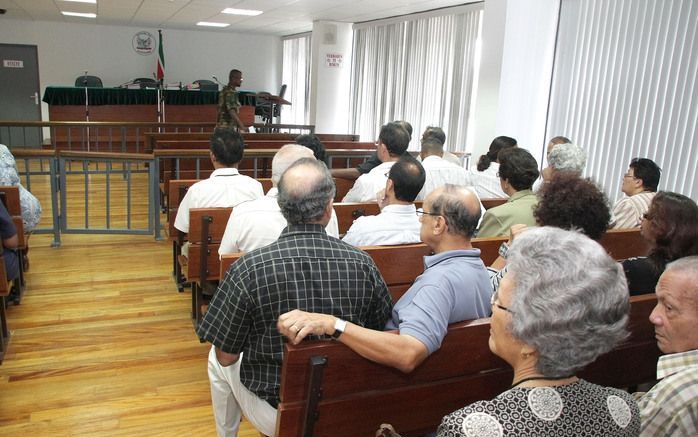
pixel 208 23
pixel 79 14
pixel 81 1
pixel 234 11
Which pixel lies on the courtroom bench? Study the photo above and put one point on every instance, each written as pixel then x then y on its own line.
pixel 149 138
pixel 329 390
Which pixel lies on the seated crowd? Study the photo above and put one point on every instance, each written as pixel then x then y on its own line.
pixel 557 300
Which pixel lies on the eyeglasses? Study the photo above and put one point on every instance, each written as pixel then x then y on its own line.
pixel 420 212
pixel 493 302
pixel 627 175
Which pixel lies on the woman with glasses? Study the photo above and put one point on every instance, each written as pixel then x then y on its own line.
pixel 562 304
pixel 670 226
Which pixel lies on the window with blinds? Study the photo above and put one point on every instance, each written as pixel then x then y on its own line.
pixel 295 72
pixel 624 86
pixel 421 69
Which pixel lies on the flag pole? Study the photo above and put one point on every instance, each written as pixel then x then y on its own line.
pixel 161 79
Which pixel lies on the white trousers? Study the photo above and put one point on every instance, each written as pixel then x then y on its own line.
pixel 231 399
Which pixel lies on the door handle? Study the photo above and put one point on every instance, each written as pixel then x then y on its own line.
pixel 35 96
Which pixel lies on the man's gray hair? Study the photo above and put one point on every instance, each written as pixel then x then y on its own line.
pixel 568 157
pixel 303 197
pixel 450 205
pixel 570 300
pixel 286 156
pixel 688 268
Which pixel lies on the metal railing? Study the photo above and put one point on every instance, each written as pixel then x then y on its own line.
pixel 110 137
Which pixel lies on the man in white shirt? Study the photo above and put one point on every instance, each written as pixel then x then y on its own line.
pixel 259 222
pixel 440 172
pixel 392 144
pixel 398 222
pixel 225 187
pixel 639 186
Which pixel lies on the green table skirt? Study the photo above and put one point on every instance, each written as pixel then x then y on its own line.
pixel 122 96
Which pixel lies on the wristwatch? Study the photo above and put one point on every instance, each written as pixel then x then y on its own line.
pixel 503 250
pixel 339 327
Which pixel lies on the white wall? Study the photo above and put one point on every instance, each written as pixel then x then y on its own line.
pixel 329 88
pixel 66 50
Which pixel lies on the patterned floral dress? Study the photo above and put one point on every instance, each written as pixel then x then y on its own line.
pixel 577 409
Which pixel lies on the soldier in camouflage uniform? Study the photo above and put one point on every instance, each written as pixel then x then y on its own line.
pixel 229 104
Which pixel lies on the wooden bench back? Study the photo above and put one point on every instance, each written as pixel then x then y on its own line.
pixel 9 195
pixel 176 190
pixel 399 265
pixel 350 211
pixel 152 137
pixel 625 243
pixel 492 202
pixel 358 395
pixel 206 228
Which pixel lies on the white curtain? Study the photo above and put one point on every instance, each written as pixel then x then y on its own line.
pixel 296 75
pixel 624 86
pixel 420 69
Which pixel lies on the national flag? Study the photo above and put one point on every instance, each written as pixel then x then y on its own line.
pixel 161 59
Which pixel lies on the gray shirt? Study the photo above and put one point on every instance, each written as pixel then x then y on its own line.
pixel 454 287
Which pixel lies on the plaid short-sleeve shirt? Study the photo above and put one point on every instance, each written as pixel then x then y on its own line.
pixel 304 269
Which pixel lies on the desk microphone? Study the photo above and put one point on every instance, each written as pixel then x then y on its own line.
pixel 84 79
pixel 216 79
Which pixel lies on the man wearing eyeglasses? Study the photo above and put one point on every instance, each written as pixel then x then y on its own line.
pixel 639 186
pixel 454 287
pixel 391 145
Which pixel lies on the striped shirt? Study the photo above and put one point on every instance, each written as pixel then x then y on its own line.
pixel 627 212
pixel 670 408
pixel 304 269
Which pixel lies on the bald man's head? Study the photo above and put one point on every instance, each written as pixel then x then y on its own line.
pixel 305 191
pixel 286 156
pixel 459 207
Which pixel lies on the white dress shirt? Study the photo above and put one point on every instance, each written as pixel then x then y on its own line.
pixel 440 172
pixel 368 185
pixel 396 224
pixel 259 222
pixel 225 188
pixel 487 183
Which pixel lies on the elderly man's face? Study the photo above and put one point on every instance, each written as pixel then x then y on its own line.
pixel 675 318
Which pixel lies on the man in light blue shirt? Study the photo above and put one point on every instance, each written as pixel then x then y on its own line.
pixel 454 287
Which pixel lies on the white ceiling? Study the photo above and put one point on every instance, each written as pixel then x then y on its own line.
pixel 280 17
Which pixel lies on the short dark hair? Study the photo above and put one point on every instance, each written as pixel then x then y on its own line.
pixel 406 125
pixel 312 142
pixel 434 132
pixel 498 144
pixel 306 203
pixel 408 178
pixel 519 167
pixel 227 146
pixel 570 202
pixel 646 170
pixel 459 219
pixel 395 138
pixel 233 72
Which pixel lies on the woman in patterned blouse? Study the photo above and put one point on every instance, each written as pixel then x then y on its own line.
pixel 562 303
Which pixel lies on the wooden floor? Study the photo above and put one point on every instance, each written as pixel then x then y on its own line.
pixel 103 345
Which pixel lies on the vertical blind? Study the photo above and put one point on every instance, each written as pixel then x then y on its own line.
pixel 624 86
pixel 420 70
pixel 295 72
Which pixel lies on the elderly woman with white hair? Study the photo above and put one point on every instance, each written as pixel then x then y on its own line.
pixel 563 303
pixel 566 157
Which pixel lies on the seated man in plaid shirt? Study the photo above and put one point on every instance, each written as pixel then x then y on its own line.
pixel 305 268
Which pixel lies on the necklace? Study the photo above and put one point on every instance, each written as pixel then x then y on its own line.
pixel 540 378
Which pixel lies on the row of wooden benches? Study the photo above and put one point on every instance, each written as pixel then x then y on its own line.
pixel 207 226
pixel 9 195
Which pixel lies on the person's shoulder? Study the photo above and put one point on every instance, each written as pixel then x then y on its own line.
pixel 481 416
